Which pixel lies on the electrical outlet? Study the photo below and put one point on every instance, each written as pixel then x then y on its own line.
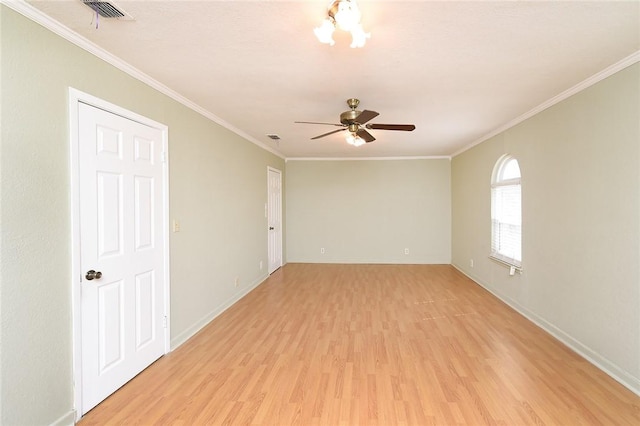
pixel 406 251
pixel 471 263
pixel 261 265
pixel 237 281
pixel 176 226
pixel 322 250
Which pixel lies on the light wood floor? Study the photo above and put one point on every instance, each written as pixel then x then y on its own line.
pixel 375 345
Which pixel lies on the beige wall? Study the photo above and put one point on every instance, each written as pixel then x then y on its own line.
pixel 580 163
pixel 369 211
pixel 218 184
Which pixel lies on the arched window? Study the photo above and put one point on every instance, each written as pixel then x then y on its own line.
pixel 506 212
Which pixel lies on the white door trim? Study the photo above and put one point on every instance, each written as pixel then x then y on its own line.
pixel 76 97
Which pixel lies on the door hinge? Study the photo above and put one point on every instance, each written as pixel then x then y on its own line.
pixel 164 156
pixel 164 321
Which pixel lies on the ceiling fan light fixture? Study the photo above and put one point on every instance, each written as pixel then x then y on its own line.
pixel 355 140
pixel 345 15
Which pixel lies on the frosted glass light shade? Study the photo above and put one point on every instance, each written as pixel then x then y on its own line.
pixel 324 32
pixel 348 15
pixel 354 140
pixel 359 37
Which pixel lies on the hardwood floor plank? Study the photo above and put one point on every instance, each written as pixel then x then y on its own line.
pixel 375 345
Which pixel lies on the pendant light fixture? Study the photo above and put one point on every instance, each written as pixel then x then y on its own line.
pixel 344 15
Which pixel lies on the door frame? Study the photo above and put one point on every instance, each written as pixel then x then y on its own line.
pixel 75 98
pixel 273 169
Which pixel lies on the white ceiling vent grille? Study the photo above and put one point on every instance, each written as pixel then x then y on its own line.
pixel 106 9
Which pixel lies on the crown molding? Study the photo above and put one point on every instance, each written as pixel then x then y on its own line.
pixel 30 12
pixel 436 157
pixel 607 72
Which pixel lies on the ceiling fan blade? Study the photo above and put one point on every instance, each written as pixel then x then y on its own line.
pixel 366 136
pixel 315 122
pixel 365 116
pixel 405 127
pixel 329 133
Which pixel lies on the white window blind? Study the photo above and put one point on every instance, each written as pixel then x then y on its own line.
pixel 506 213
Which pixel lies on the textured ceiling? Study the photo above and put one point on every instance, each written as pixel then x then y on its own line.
pixel 457 70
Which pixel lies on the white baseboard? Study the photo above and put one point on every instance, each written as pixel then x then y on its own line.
pixel 397 261
pixel 68 419
pixel 624 378
pixel 191 331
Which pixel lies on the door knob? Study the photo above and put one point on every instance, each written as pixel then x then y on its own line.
pixel 271 228
pixel 93 275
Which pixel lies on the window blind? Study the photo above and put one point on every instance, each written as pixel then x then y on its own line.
pixel 506 223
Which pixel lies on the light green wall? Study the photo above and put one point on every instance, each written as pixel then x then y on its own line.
pixel 369 211
pixel 218 188
pixel 580 163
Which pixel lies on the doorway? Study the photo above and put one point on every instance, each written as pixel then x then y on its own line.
pixel 120 285
pixel 274 219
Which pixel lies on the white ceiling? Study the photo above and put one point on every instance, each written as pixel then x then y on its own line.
pixel 457 70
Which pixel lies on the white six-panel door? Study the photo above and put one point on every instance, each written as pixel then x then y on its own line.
pixel 274 219
pixel 121 237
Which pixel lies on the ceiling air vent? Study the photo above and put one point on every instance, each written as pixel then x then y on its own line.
pixel 105 9
pixel 274 137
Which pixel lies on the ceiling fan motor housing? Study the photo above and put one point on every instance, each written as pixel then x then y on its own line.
pixel 348 117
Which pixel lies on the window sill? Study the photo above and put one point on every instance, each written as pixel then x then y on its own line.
pixel 513 268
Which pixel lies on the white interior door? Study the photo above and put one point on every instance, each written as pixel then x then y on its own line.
pixel 274 218
pixel 121 250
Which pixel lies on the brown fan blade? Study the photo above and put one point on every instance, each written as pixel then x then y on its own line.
pixel 315 122
pixel 366 136
pixel 405 127
pixel 329 133
pixel 365 116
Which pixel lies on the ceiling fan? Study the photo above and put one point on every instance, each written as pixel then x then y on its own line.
pixel 356 123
